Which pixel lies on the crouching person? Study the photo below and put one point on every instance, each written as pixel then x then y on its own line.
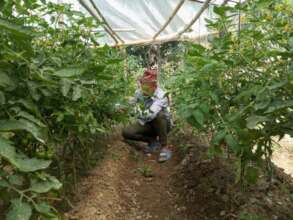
pixel 154 120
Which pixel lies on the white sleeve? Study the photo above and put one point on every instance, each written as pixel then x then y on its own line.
pixel 154 109
pixel 134 100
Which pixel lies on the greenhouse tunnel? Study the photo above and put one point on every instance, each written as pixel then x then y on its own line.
pixel 146 109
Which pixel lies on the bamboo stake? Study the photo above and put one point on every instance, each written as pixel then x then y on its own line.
pixel 98 19
pixel 199 1
pixel 205 5
pixel 169 19
pixel 161 40
pixel 105 21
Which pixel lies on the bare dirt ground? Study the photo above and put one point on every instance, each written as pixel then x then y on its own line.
pixel 283 155
pixel 128 185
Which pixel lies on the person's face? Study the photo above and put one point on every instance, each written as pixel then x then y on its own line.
pixel 148 89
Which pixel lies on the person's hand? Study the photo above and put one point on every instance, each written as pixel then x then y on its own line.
pixel 122 110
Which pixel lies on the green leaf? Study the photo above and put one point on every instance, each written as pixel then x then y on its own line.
pixel 24 164
pixel 76 93
pixel 290 42
pixel 16 180
pixel 43 186
pixel 278 85
pixel 15 29
pixel 196 50
pixel 251 174
pixel 250 216
pixel 31 118
pixel 253 120
pixel 277 105
pixel 28 104
pixel 204 107
pixel 33 88
pixel 246 94
pixel 114 60
pixel 4 183
pixel 69 72
pixel 6 82
pixel 65 86
pixel 21 124
pixel 208 68
pixel 220 10
pixel 261 4
pixel 218 137
pixel 199 116
pixel 99 68
pixel 262 104
pixel 230 140
pixel 2 98
pixel 45 209
pixel 214 96
pixel 19 210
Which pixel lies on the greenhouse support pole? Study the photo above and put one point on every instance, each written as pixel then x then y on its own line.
pixel 202 9
pixel 105 21
pixel 169 19
pixel 98 19
pixel 159 60
pixel 239 24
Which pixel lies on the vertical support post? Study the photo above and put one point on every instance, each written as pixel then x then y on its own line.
pixel 239 24
pixel 159 60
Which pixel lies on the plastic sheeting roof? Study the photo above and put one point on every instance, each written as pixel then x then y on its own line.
pixel 139 21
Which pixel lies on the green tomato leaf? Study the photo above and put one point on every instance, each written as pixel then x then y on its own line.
pixel 70 72
pixel 24 164
pixel 199 116
pixel 43 186
pixel 76 93
pixel 16 180
pixel 4 183
pixel 15 29
pixel 233 145
pixel 2 98
pixel 6 82
pixel 219 137
pixel 114 60
pixel 204 107
pixel 277 105
pixel 28 104
pixel 31 118
pixel 290 42
pixel 21 124
pixel 253 120
pixel 45 210
pixel 262 104
pixel 251 174
pixel 278 85
pixel 220 10
pixel 65 86
pixel 19 210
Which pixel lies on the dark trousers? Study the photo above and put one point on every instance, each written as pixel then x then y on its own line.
pixel 158 127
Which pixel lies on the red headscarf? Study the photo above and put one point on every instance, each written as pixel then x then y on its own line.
pixel 149 78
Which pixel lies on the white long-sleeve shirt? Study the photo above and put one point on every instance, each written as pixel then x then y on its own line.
pixel 150 107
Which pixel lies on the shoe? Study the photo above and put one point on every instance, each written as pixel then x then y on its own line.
pixel 152 147
pixel 165 155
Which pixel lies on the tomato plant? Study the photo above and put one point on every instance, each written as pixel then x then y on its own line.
pixel 240 87
pixel 57 92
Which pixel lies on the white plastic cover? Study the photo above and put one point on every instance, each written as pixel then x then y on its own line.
pixel 137 21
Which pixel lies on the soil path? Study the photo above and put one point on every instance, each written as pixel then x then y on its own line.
pixel 128 185
pixel 283 155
